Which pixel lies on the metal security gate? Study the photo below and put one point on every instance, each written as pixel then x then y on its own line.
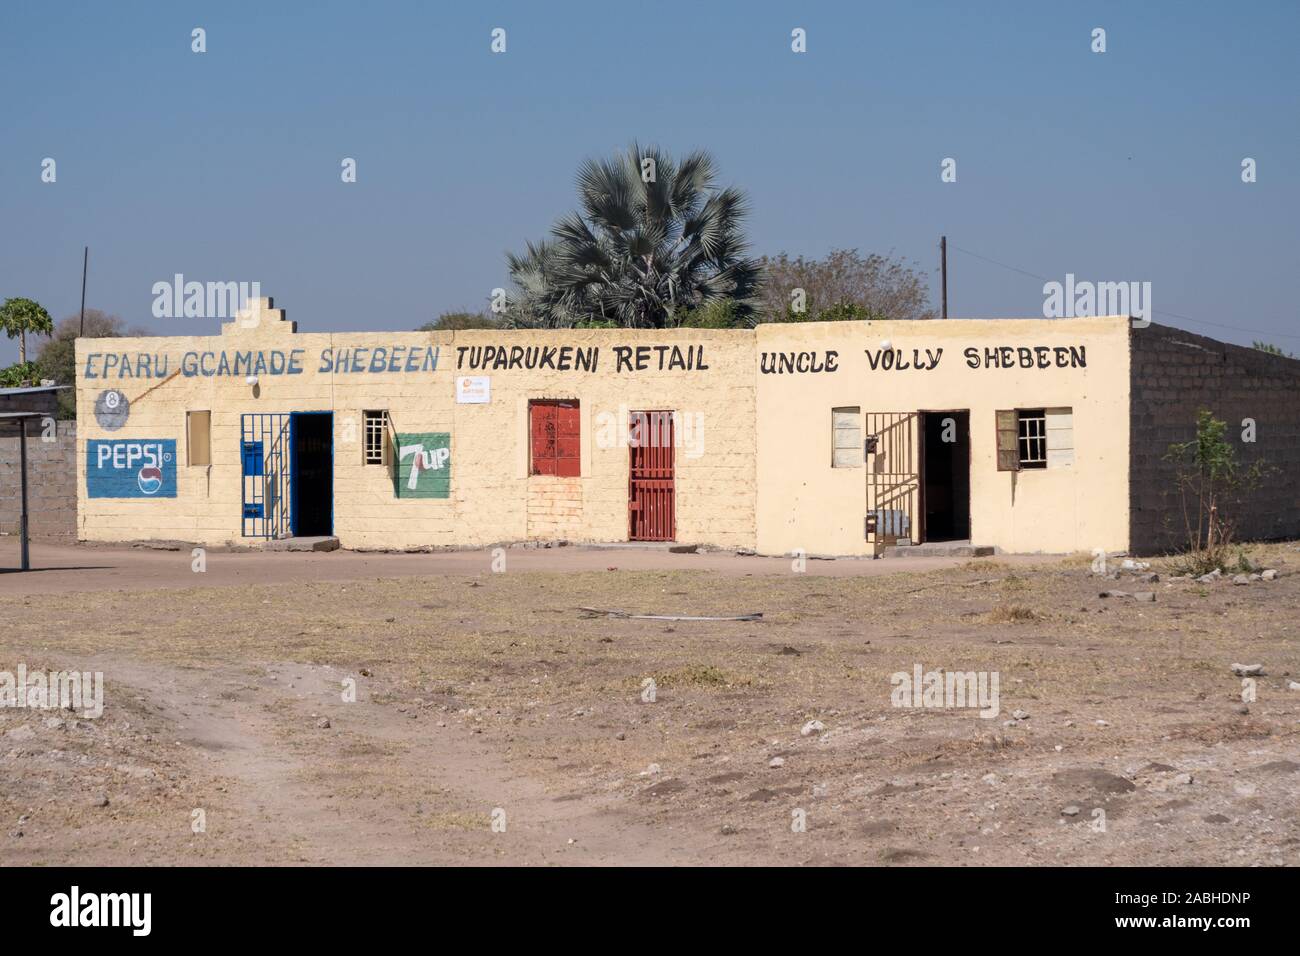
pixel 651 490
pixel 893 477
pixel 265 454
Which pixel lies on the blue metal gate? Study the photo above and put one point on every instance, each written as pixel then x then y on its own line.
pixel 264 451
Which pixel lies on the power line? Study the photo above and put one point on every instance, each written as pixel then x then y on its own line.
pixel 1172 315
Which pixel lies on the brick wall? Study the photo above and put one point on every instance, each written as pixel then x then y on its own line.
pixel 51 481
pixel 1174 374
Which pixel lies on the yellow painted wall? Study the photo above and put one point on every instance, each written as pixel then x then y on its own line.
pixel 806 504
pixel 493 498
pixel 754 450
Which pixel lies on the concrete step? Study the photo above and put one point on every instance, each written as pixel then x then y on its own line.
pixel 302 544
pixel 940 549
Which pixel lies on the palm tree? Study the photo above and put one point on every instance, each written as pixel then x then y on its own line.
pixel 654 239
pixel 20 316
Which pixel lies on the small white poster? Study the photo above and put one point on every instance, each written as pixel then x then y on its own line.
pixel 473 390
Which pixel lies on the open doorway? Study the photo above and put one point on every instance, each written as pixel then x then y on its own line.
pixel 945 475
pixel 312 471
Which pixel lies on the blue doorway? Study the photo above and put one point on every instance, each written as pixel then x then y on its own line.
pixel 311 470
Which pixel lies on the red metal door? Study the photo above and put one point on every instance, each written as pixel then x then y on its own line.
pixel 651 487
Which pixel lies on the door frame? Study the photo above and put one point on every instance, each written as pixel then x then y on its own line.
pixel 631 477
pixel 925 413
pixel 293 469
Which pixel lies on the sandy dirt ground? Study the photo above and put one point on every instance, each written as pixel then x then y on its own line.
pixel 495 723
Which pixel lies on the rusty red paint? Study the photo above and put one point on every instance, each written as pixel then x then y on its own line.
pixel 651 485
pixel 555 428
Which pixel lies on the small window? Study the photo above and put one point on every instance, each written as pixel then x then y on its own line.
pixel 375 425
pixel 846 437
pixel 1035 438
pixel 198 438
pixel 555 433
pixel 1031 435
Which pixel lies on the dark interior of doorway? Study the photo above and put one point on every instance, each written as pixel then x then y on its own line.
pixel 312 470
pixel 945 476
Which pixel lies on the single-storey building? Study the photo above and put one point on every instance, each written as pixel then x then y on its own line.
pixel 839 438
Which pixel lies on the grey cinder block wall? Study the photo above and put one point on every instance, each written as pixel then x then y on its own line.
pixel 51 482
pixel 1175 374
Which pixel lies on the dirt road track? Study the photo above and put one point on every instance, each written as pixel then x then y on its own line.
pixel 65 568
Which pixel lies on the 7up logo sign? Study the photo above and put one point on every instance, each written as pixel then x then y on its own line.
pixel 423 465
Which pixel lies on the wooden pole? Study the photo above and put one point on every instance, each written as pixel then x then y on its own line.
pixel 85 262
pixel 943 269
pixel 22 468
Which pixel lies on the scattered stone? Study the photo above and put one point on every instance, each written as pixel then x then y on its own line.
pixel 1113 594
pixel 1248 670
pixel 1216 818
pixel 812 727
pixel 21 732
pixel 1292 685
pixel 1145 597
pixel 1102 723
pixel 989 778
pixel 1070 811
pixel 620 736
pixel 728 830
pixel 651 770
pixel 1269 575
pixel 1240 579
pixel 1020 714
pixel 1149 577
pixel 54 723
pixel 323 723
pixel 1208 578
pixel 1183 779
pixel 1256 577
pixel 776 762
pixel 1130 565
pixel 99 800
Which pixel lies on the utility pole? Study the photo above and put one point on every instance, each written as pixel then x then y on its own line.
pixel 85 261
pixel 943 271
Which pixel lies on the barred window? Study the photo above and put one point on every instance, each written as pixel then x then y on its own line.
pixel 1031 430
pixel 375 425
pixel 1035 438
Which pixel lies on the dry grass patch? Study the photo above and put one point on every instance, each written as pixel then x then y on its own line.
pixel 1012 614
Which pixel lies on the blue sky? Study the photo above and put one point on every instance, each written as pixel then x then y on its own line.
pixel 225 165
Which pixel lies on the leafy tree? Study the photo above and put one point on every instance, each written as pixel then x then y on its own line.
pixel 20 316
pixel 843 286
pixel 654 238
pixel 58 357
pixel 454 321
pixel 1211 485
pixel 20 374
pixel 718 314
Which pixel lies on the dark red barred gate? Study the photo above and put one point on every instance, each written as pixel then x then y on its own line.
pixel 651 488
